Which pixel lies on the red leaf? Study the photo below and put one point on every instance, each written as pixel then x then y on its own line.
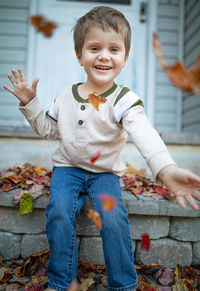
pixel 97 155
pixel 7 187
pixel 165 193
pixel 93 160
pixel 108 202
pixel 145 244
pixel 40 179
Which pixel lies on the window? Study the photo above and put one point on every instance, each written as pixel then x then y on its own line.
pixel 122 2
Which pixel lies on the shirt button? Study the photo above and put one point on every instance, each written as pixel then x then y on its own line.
pixel 80 122
pixel 82 107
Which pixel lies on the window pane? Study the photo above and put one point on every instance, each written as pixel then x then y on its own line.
pixel 125 2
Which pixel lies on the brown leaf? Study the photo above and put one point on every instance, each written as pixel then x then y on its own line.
pixel 96 100
pixel 95 217
pixel 137 191
pixel 131 171
pixel 42 25
pixel 86 283
pixel 186 79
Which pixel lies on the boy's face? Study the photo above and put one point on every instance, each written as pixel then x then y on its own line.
pixel 103 56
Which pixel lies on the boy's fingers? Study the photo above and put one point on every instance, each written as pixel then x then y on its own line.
pixel 191 201
pixel 10 77
pixel 8 89
pixel 181 202
pixel 35 82
pixel 22 76
pixel 15 75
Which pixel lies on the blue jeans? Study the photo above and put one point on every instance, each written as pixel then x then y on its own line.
pixel 68 187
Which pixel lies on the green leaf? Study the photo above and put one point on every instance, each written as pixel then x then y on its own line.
pixel 26 204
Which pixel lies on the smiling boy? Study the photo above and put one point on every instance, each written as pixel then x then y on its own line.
pixel 102 43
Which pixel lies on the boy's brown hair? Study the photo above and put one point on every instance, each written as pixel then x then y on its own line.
pixel 104 17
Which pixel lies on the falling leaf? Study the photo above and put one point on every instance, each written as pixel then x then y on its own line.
pixel 97 155
pixel 26 204
pixel 96 100
pixel 108 202
pixel 145 244
pixel 42 25
pixel 186 79
pixel 95 217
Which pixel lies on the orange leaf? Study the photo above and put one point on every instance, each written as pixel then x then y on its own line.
pixel 96 100
pixel 186 79
pixel 95 217
pixel 145 244
pixel 137 191
pixel 42 25
pixel 131 171
pixel 108 202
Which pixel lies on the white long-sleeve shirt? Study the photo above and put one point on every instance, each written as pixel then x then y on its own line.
pixel 83 130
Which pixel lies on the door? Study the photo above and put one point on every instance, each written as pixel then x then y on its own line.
pixel 53 59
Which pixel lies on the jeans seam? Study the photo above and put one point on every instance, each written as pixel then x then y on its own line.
pixel 73 232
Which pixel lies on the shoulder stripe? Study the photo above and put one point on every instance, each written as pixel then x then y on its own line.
pixel 129 100
pixel 51 111
pixel 121 94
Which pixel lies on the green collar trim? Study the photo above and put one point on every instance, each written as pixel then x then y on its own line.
pixel 81 100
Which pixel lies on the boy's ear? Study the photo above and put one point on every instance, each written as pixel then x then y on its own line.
pixel 79 58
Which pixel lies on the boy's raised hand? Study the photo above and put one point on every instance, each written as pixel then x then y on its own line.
pixel 22 90
pixel 183 184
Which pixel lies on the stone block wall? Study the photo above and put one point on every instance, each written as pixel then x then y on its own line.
pixel 174 232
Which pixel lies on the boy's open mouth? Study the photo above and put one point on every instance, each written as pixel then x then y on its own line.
pixel 106 68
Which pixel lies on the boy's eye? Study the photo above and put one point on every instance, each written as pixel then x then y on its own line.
pixel 94 48
pixel 114 49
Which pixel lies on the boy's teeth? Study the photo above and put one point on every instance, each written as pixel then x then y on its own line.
pixel 103 68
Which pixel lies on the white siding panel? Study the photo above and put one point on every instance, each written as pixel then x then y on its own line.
pixel 169 104
pixel 7 41
pixel 13 54
pixel 167 96
pixel 13 28
pixel 14 3
pixel 191 104
pixel 168 10
pixel 167 23
pixel 7 67
pixel 13 14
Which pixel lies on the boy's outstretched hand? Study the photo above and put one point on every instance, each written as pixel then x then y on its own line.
pixel 22 90
pixel 182 183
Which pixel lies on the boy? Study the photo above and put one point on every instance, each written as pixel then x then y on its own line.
pixel 102 43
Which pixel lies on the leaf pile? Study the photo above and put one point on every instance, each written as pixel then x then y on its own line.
pixel 136 181
pixel 30 275
pixel 33 181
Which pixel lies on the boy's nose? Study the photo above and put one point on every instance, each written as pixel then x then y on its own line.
pixel 104 56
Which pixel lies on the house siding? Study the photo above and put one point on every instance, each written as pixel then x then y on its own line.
pixel 191 104
pixel 13 54
pixel 167 97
